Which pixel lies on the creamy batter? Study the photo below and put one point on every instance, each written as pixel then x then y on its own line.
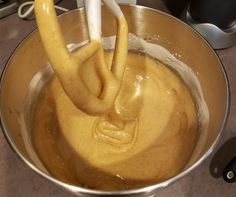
pixel 91 84
pixel 110 122
pixel 156 143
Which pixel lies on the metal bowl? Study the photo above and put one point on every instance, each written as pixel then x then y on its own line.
pixel 147 23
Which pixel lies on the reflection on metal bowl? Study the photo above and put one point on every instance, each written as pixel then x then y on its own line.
pixel 158 28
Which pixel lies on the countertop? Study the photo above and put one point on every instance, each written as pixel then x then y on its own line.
pixel 18 180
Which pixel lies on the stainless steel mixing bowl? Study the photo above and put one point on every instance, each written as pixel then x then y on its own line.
pixel 157 27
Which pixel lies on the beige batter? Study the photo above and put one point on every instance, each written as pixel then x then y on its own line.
pixel 85 77
pixel 161 115
pixel 100 127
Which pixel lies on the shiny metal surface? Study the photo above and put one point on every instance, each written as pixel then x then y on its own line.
pixel 230 175
pixel 147 23
pixel 217 37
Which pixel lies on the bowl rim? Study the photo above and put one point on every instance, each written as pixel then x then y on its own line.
pixel 144 190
